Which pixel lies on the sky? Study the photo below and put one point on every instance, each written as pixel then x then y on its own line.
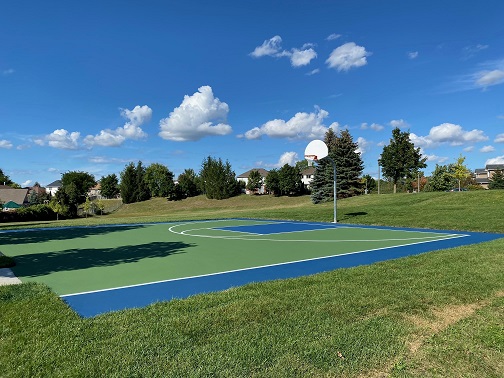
pixel 92 86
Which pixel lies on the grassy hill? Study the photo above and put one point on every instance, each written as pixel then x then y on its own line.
pixel 437 314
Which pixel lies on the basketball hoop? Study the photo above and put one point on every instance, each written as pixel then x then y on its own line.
pixel 311 157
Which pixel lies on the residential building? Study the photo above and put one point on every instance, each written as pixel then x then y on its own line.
pixel 15 196
pixel 53 187
pixel 245 176
pixel 95 192
pixel 483 175
pixel 307 176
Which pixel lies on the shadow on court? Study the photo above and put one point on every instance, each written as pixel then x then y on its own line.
pixel 39 264
pixel 43 235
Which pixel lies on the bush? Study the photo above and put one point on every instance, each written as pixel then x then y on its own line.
pixel 35 213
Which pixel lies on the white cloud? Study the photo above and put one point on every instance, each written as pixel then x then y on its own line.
pixel 376 127
pixel 8 72
pixel 448 133
pixel 26 183
pixel 270 47
pixel 131 129
pixel 333 36
pixel 287 158
pixel 347 56
pixel 401 123
pixel 313 72
pixel 301 126
pixel 487 149
pixel 486 79
pixel 194 118
pixel 301 58
pixel 363 144
pixel 499 138
pixel 413 55
pixel 495 160
pixel 436 159
pixel 469 149
pixel 61 139
pixel 5 144
pixel 470 51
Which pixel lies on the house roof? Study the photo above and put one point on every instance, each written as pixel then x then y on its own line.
pixel 16 195
pixel 262 171
pixel 56 183
pixel 480 170
pixel 493 167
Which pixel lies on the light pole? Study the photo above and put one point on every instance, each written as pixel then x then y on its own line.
pixel 379 161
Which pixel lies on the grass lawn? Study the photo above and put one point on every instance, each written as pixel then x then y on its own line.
pixel 437 314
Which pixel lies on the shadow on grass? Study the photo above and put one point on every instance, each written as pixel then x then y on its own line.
pixel 63 233
pixel 39 264
pixel 356 214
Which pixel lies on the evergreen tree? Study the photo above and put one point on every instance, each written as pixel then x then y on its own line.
pixel 109 186
pixel 349 166
pixel 142 192
pixel 496 181
pixel 128 184
pixel 188 183
pixel 400 159
pixel 218 179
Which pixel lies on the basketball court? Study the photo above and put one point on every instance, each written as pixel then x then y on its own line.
pixel 109 268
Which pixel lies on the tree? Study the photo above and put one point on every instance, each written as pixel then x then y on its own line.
pixel 74 188
pixel 57 207
pixel 109 186
pixel 159 180
pixel 302 165
pixel 142 192
pixel 497 180
pixel 349 166
pixel 100 205
pixel 254 182
pixel 128 183
pixel 290 180
pixel 442 178
pixel 189 183
pixel 218 179
pixel 369 183
pixel 4 179
pixel 400 159
pixel 272 182
pixel 460 171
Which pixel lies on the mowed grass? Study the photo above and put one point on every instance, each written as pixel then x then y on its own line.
pixel 437 314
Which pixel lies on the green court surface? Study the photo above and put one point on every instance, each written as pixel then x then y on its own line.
pixel 76 260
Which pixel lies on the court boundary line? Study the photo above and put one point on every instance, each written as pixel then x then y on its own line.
pixel 252 268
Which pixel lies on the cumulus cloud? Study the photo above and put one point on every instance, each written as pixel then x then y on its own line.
pixel 26 183
pixel 287 158
pixel 302 57
pixel 347 56
pixel 362 144
pixel 373 126
pixel 131 129
pixel 436 159
pixel 469 149
pixel 495 160
pixel 448 133
pixel 301 126
pixel 413 55
pixel 313 72
pixel 401 123
pixel 5 144
pixel 61 139
pixel 198 116
pixel 499 138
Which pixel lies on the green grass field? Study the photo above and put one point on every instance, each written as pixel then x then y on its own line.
pixel 437 314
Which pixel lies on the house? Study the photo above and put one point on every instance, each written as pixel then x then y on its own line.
pixel 95 192
pixel 16 196
pixel 483 175
pixel 307 176
pixel 245 176
pixel 53 187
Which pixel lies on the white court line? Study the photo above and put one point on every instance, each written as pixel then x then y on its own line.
pixel 438 236
pixel 242 269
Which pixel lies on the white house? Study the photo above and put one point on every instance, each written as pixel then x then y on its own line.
pixel 307 176
pixel 53 187
pixel 245 176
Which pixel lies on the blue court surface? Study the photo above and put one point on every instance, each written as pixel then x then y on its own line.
pixel 108 268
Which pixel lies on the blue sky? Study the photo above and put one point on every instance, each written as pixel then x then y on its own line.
pixel 94 85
